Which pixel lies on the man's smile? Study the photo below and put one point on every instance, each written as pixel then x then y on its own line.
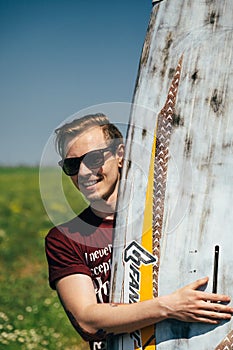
pixel 89 184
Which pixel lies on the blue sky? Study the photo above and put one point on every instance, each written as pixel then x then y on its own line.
pixel 58 57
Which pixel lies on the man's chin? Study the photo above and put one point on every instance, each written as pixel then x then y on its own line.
pixel 94 197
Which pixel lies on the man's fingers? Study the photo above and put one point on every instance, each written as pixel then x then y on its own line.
pixel 218 307
pixel 207 320
pixel 215 298
pixel 208 296
pixel 198 283
pixel 212 315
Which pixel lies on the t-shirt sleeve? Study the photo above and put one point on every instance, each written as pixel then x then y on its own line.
pixel 64 257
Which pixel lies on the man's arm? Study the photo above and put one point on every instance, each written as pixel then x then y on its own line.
pixel 188 304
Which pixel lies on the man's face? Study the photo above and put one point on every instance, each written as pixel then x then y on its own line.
pixel 102 182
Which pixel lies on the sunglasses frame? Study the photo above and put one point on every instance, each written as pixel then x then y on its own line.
pixel 81 159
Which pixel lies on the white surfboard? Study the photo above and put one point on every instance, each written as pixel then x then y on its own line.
pixel 185 81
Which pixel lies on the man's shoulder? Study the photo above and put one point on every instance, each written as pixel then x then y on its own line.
pixel 83 225
pixel 70 226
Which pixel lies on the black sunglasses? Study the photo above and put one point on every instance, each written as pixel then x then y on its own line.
pixel 93 160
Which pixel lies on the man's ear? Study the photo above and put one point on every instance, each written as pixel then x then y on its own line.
pixel 120 154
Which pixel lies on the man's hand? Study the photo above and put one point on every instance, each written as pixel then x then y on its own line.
pixel 189 304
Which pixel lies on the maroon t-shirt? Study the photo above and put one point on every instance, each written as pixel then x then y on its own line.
pixel 82 245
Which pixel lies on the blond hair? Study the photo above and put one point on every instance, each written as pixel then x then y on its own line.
pixel 78 126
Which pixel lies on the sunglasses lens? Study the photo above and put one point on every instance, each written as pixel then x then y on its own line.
pixel 94 159
pixel 71 166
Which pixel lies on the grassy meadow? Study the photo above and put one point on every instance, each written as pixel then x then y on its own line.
pixel 31 316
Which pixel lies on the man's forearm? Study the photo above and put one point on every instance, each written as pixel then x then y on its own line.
pixel 121 318
pixel 94 320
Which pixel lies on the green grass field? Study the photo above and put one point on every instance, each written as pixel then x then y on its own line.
pixel 30 313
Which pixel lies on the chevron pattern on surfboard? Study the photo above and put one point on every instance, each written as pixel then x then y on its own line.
pixel 227 343
pixel 163 135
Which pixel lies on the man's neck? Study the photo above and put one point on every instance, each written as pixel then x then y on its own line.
pixel 104 209
pixel 106 216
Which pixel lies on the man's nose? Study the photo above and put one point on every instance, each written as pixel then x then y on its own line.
pixel 84 170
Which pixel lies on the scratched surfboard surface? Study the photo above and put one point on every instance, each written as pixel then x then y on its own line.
pixel 185 81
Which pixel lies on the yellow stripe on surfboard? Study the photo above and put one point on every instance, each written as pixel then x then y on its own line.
pixel 146 288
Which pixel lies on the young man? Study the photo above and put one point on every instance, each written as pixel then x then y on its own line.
pixel 79 252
